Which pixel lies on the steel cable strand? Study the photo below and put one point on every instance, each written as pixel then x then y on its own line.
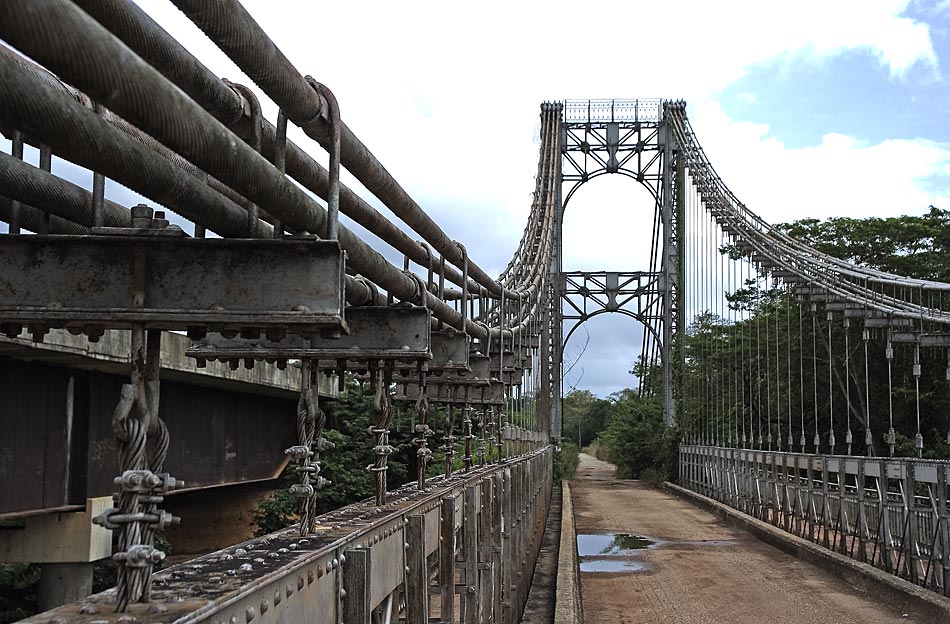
pixel 437 310
pixel 540 209
pixel 158 436
pixel 77 134
pixel 302 452
pixel 130 584
pixel 232 29
pixel 382 419
pixel 93 144
pixel 540 204
pixel 34 219
pixel 318 445
pixel 687 136
pixel 114 213
pixel 167 114
pixel 423 431
pixel 834 284
pixel 71 203
pixel 538 266
pixel 140 33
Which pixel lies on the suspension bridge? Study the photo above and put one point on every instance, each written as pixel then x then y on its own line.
pixel 190 345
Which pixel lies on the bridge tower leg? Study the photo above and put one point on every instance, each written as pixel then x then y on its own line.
pixel 668 268
pixel 554 326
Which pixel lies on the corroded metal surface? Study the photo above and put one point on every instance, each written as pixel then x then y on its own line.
pixel 170 283
pixel 285 578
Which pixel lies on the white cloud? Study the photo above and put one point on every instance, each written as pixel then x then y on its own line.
pixel 841 176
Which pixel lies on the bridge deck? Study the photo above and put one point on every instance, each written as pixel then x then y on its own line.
pixel 700 570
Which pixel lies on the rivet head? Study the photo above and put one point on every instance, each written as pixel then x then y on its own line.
pixel 299 582
pixel 249 614
pixel 265 605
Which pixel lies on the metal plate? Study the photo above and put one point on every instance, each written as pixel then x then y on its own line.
pixel 219 284
pixel 493 394
pixel 477 375
pixel 394 333
pixel 449 350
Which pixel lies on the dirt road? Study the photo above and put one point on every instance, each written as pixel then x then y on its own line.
pixel 698 570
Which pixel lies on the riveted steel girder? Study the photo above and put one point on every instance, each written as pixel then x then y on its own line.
pixel 392 333
pixel 171 283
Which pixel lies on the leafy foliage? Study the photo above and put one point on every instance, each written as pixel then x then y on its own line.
pixel 348 427
pixel 565 461
pixel 584 416
pixel 19 590
pixel 639 443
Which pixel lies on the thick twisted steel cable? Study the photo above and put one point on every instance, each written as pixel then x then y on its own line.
pixel 138 31
pixel 752 223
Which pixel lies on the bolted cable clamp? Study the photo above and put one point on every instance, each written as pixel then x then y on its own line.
pixel 139 556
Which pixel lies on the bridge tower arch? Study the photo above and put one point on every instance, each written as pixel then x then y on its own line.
pixel 630 138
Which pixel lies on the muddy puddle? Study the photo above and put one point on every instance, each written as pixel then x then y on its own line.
pixel 591 545
pixel 622 552
pixel 613 565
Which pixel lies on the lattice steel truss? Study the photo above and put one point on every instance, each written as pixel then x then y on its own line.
pixel 631 138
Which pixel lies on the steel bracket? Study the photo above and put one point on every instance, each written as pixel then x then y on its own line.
pixel 392 333
pixel 173 283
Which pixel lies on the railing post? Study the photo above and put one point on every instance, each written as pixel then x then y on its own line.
pixel 825 508
pixel 910 540
pixel 470 564
pixel 486 568
pixel 356 580
pixel 497 539
pixel 943 528
pixel 507 563
pixel 862 515
pixel 417 576
pixel 447 560
pixel 886 538
pixel 811 510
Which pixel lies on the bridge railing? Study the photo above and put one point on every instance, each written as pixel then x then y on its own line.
pixel 888 512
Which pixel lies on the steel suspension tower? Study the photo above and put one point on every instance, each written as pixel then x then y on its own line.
pixel 632 138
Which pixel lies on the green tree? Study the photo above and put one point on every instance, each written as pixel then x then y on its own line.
pixel 584 416
pixel 640 444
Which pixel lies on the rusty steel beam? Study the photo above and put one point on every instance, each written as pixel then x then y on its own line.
pixel 171 282
pixel 391 333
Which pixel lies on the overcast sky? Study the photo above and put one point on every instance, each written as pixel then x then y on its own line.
pixel 814 108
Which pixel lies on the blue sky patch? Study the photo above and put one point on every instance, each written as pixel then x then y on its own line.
pixel 853 93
